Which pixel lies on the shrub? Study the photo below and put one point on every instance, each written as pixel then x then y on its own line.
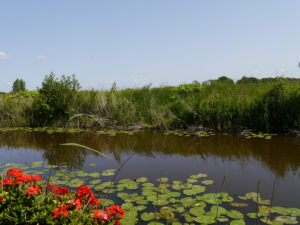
pixel 56 97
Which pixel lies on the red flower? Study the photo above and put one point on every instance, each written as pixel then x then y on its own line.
pixel 1 199
pixel 62 210
pixel 7 182
pixel 27 178
pixel 14 173
pixel 117 222
pixel 36 178
pixel 84 194
pixel 115 211
pixel 33 190
pixel 75 203
pixel 94 201
pixel 98 216
pixel 58 190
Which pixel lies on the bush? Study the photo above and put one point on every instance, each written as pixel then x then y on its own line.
pixel 56 98
pixel 25 201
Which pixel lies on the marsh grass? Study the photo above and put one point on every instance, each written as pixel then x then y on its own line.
pixel 261 107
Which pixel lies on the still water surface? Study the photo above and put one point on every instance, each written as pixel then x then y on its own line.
pixel 245 161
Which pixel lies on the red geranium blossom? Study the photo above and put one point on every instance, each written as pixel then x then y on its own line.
pixel 117 222
pixel 58 190
pixel 100 217
pixel 115 211
pixel 29 178
pixel 84 194
pixel 33 190
pixel 15 176
pixel 36 178
pixel 14 173
pixel 62 210
pixel 7 182
pixel 75 203
pixel 1 199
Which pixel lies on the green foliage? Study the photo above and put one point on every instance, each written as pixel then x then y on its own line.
pixel 268 80
pixel 222 80
pixel 248 80
pixel 56 98
pixel 25 199
pixel 268 104
pixel 18 85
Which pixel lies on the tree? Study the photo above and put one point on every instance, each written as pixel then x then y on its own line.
pixel 222 80
pixel 248 80
pixel 18 85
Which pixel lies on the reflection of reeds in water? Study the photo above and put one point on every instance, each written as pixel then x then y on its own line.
pixel 279 154
pixel 272 198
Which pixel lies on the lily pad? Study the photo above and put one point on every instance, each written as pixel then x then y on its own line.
pixel 197 211
pixel 234 214
pixel 81 173
pixel 207 182
pixel 127 206
pixel 94 175
pixel 37 164
pixel 205 219
pixel 237 222
pixel 142 179
pixel 109 172
pixel 147 216
pixel 97 181
pixel 75 182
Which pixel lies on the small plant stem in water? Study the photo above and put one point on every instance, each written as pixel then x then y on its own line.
pixel 257 193
pixel 272 198
pixel 116 174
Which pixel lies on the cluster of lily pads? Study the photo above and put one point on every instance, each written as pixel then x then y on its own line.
pixel 163 201
pixel 188 134
pixel 51 130
pixel 266 136
pixel 115 132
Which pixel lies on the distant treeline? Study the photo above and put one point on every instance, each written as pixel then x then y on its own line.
pixel 252 80
pixel 268 104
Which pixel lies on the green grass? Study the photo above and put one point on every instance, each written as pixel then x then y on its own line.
pixel 273 106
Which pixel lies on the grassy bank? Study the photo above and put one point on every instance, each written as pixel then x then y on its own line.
pixel 261 106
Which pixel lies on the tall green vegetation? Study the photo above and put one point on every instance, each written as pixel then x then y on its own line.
pixel 18 85
pixel 268 104
pixel 56 97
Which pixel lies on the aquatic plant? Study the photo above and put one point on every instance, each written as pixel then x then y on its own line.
pixel 163 201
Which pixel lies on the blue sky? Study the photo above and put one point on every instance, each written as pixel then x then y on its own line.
pixel 137 42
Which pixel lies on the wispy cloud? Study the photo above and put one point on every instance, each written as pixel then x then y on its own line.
pixel 41 58
pixel 140 80
pixel 3 55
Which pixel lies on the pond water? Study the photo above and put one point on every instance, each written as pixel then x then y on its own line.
pixel 243 161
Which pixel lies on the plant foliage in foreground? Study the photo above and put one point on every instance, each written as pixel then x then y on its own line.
pixel 24 200
pixel 173 202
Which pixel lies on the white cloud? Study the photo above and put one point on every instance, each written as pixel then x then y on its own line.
pixel 282 72
pixel 3 55
pixel 140 80
pixel 41 58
